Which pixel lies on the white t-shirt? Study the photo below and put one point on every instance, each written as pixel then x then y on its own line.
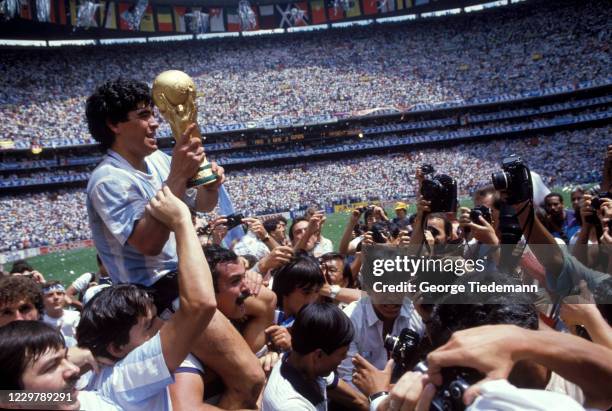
pixel 91 401
pixel 287 390
pixel 66 324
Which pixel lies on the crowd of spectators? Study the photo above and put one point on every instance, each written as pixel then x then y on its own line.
pixel 510 50
pixel 56 218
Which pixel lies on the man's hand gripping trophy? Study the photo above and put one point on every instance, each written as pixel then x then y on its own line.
pixel 174 95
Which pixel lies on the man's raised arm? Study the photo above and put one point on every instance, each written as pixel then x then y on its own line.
pixel 196 293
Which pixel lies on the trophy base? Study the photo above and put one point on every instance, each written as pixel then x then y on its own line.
pixel 204 177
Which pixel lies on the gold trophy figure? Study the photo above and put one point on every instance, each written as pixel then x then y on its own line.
pixel 174 94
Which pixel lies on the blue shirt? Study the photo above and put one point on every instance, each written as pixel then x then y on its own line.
pixel 138 382
pixel 117 194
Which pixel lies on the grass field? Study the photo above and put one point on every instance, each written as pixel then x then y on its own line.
pixel 66 266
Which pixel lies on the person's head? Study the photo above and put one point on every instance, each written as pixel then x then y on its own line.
pixel 553 205
pixel 297 283
pixel 33 356
pixel 54 298
pixel 228 279
pixel 440 227
pixel 116 320
pixel 321 334
pixel 577 195
pixel 21 267
pixel 276 228
pixel 484 196
pixel 401 209
pixel 335 270
pixel 20 299
pixel 120 114
pixel 298 229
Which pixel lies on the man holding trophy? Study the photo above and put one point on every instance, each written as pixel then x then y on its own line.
pixel 134 246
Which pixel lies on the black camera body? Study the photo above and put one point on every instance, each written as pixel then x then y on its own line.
pixel 455 381
pixel 404 351
pixel 234 220
pixel 481 211
pixel 514 180
pixel 380 232
pixel 441 191
pixel 369 208
pixel 596 203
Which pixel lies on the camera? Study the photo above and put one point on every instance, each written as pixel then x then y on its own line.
pixel 380 232
pixel 233 220
pixel 479 211
pixel 404 350
pixel 427 169
pixel 455 381
pixel 515 180
pixel 441 191
pixel 596 203
pixel 369 208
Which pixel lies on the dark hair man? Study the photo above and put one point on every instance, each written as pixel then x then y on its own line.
pixel 120 328
pixel 20 299
pixel 300 381
pixel 33 356
pixel 135 247
pixel 560 222
pixel 276 228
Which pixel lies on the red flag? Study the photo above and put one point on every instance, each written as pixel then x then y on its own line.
pixel 370 7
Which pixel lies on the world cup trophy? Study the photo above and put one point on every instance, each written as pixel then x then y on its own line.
pixel 174 95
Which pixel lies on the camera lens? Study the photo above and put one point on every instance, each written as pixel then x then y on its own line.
pixel 500 180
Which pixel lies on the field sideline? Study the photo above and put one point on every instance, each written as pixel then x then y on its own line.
pixel 68 265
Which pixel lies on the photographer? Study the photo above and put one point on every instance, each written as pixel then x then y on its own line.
pixel 256 241
pixel 560 222
pixel 563 271
pixel 372 320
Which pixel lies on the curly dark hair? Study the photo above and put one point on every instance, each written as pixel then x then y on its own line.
pixel 111 102
pixel 15 288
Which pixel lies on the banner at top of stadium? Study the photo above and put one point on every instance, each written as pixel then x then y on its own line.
pixel 166 19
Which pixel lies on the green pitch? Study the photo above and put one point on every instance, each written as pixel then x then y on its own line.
pixel 68 265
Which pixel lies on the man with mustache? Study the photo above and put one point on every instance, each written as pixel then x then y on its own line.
pixel 250 313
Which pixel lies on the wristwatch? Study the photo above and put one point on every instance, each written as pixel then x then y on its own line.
pixel 376 398
pixel 333 291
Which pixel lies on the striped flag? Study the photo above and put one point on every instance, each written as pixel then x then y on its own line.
pixel 233 20
pixel 100 14
pixel 164 18
pixel 179 18
pixel 267 18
